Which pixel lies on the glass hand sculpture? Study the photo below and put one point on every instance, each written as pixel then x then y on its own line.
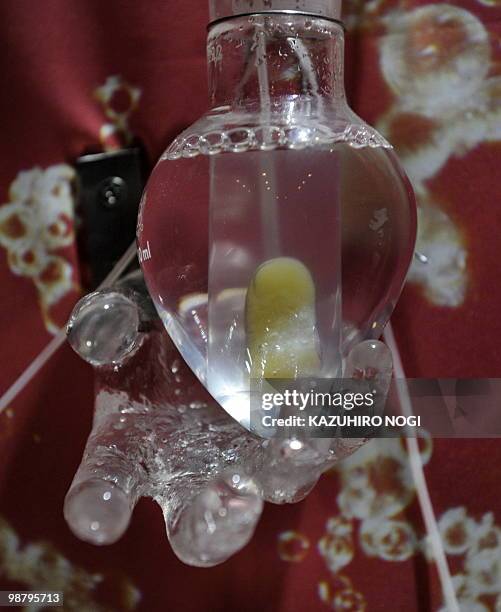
pixel 158 433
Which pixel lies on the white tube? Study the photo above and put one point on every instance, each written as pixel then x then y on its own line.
pixel 423 494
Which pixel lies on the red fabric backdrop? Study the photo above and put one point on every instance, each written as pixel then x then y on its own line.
pixel 86 75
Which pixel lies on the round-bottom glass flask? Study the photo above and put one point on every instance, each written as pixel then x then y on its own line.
pixel 276 232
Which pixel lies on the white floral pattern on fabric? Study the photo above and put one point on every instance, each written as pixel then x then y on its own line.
pixel 437 61
pixel 376 486
pixel 444 48
pixel 339 594
pixel 368 477
pixel 478 586
pixel 118 99
pixel 34 225
pixel 443 276
pixel 337 546
pixel 376 482
pixel 292 546
pixel 457 531
pixel 39 566
pixel 388 539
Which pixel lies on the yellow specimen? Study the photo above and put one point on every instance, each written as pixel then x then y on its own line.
pixel 282 340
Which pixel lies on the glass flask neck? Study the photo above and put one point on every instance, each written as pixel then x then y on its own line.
pixel 276 62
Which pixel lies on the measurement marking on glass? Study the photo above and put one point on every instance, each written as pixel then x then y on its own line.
pixel 144 254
